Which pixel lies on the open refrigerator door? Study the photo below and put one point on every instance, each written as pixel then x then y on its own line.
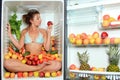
pixel 50 10
pixel 93 40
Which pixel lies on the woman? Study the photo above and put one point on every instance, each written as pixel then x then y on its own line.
pixel 32 39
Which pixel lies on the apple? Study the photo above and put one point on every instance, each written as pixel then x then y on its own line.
pixel 49 23
pixel 41 74
pixel 14 56
pixel 25 74
pixel 78 41
pixel 98 41
pixel 34 63
pixel 72 67
pixel 53 74
pixel 19 74
pixel 106 41
pixel 35 58
pixel 59 73
pixel 92 41
pixel 106 17
pixel 38 62
pixel 104 35
pixel 95 35
pixel 24 61
pixel 47 74
pixel 7 74
pixel 86 41
pixel 72 40
pixel 29 62
pixel 118 18
pixel 12 75
pixel 30 74
pixel 36 74
pixel 105 24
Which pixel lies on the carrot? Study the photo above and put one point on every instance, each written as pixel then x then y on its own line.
pixel 10 49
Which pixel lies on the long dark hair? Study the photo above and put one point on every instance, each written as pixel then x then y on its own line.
pixel 27 17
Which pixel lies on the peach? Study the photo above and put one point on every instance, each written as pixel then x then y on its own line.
pixel 59 73
pixel 12 75
pixel 7 56
pixel 72 67
pixel 106 41
pixel 30 74
pixel 7 74
pixel 72 35
pixel 95 35
pixel 105 24
pixel 53 74
pixel 84 36
pixel 86 41
pixel 92 41
pixel 36 74
pixel 14 56
pixel 98 41
pixel 72 40
pixel 25 74
pixel 93 69
pixel 78 41
pixel 47 74
pixel 116 40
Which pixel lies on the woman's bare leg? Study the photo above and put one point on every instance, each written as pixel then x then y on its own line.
pixel 15 65
pixel 53 66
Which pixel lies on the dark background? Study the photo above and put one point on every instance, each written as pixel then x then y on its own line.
pixel 0 32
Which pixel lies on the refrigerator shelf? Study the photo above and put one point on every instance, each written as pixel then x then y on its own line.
pixel 95 72
pixel 92 4
pixel 91 45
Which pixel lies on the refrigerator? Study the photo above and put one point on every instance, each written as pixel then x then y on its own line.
pixel 88 52
pixel 50 10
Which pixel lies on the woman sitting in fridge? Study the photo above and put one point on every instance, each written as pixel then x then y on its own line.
pixel 32 39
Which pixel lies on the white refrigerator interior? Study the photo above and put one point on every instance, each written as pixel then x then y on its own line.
pixel 86 16
pixel 50 10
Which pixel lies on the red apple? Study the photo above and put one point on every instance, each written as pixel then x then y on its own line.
pixel 35 58
pixel 118 18
pixel 49 23
pixel 29 62
pixel 41 74
pixel 19 74
pixel 38 62
pixel 106 17
pixel 104 35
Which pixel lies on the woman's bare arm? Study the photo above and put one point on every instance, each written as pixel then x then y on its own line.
pixel 18 44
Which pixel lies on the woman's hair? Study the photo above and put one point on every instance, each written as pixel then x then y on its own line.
pixel 27 17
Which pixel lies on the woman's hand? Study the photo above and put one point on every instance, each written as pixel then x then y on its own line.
pixel 9 29
pixel 49 29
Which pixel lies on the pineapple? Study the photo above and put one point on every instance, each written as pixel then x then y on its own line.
pixel 113 57
pixel 83 58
